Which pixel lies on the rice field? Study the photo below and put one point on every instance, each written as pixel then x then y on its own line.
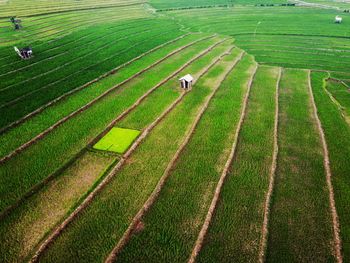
pixel 105 156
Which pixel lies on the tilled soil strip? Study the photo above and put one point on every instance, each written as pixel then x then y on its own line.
pixel 335 219
pixel 88 105
pixel 65 95
pixel 45 244
pixel 38 186
pixel 153 197
pixel 199 242
pixel 265 226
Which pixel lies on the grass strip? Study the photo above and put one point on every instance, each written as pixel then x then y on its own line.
pixel 300 221
pixel 152 198
pixel 127 191
pixel 235 229
pixel 33 211
pixel 272 175
pixel 200 239
pixel 24 228
pixel 56 109
pixel 171 238
pixel 42 134
pixel 335 125
pixel 335 220
pixel 70 139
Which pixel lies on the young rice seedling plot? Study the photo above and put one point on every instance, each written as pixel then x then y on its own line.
pixel 129 189
pixel 117 140
pixel 235 231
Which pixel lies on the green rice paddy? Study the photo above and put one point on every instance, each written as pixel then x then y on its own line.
pixel 104 156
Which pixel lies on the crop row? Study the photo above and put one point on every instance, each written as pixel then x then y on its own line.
pixel 137 220
pixel 300 170
pixel 74 75
pixel 92 102
pixel 154 103
pixel 136 181
pixel 66 44
pixel 78 53
pixel 334 125
pixel 50 10
pixel 172 237
pixel 39 161
pixel 55 110
pixel 63 29
pixel 243 193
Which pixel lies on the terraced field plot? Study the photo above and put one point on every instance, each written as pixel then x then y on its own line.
pixel 105 158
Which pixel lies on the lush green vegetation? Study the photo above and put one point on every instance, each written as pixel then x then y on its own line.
pixel 33 126
pixel 284 36
pixel 230 237
pixel 300 193
pixel 172 225
pixel 124 196
pixel 99 66
pixel 117 140
pixel 44 82
pixel 21 172
pixel 337 133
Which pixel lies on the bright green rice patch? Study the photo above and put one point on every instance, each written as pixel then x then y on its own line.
pixel 117 140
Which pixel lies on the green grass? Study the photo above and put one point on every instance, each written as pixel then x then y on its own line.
pixel 40 160
pixel 235 232
pixel 341 93
pixel 300 222
pixel 33 126
pixel 30 222
pixel 117 140
pixel 294 37
pixel 126 193
pixel 63 189
pixel 337 133
pixel 44 82
pixel 171 226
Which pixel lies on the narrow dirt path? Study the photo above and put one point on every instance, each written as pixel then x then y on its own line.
pixel 335 219
pixel 265 226
pixel 199 242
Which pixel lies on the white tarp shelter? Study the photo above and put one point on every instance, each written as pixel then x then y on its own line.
pixel 186 81
pixel 338 19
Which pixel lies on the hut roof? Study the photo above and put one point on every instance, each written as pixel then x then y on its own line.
pixel 187 78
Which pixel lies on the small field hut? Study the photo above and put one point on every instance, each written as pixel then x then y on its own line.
pixel 186 81
pixel 338 19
